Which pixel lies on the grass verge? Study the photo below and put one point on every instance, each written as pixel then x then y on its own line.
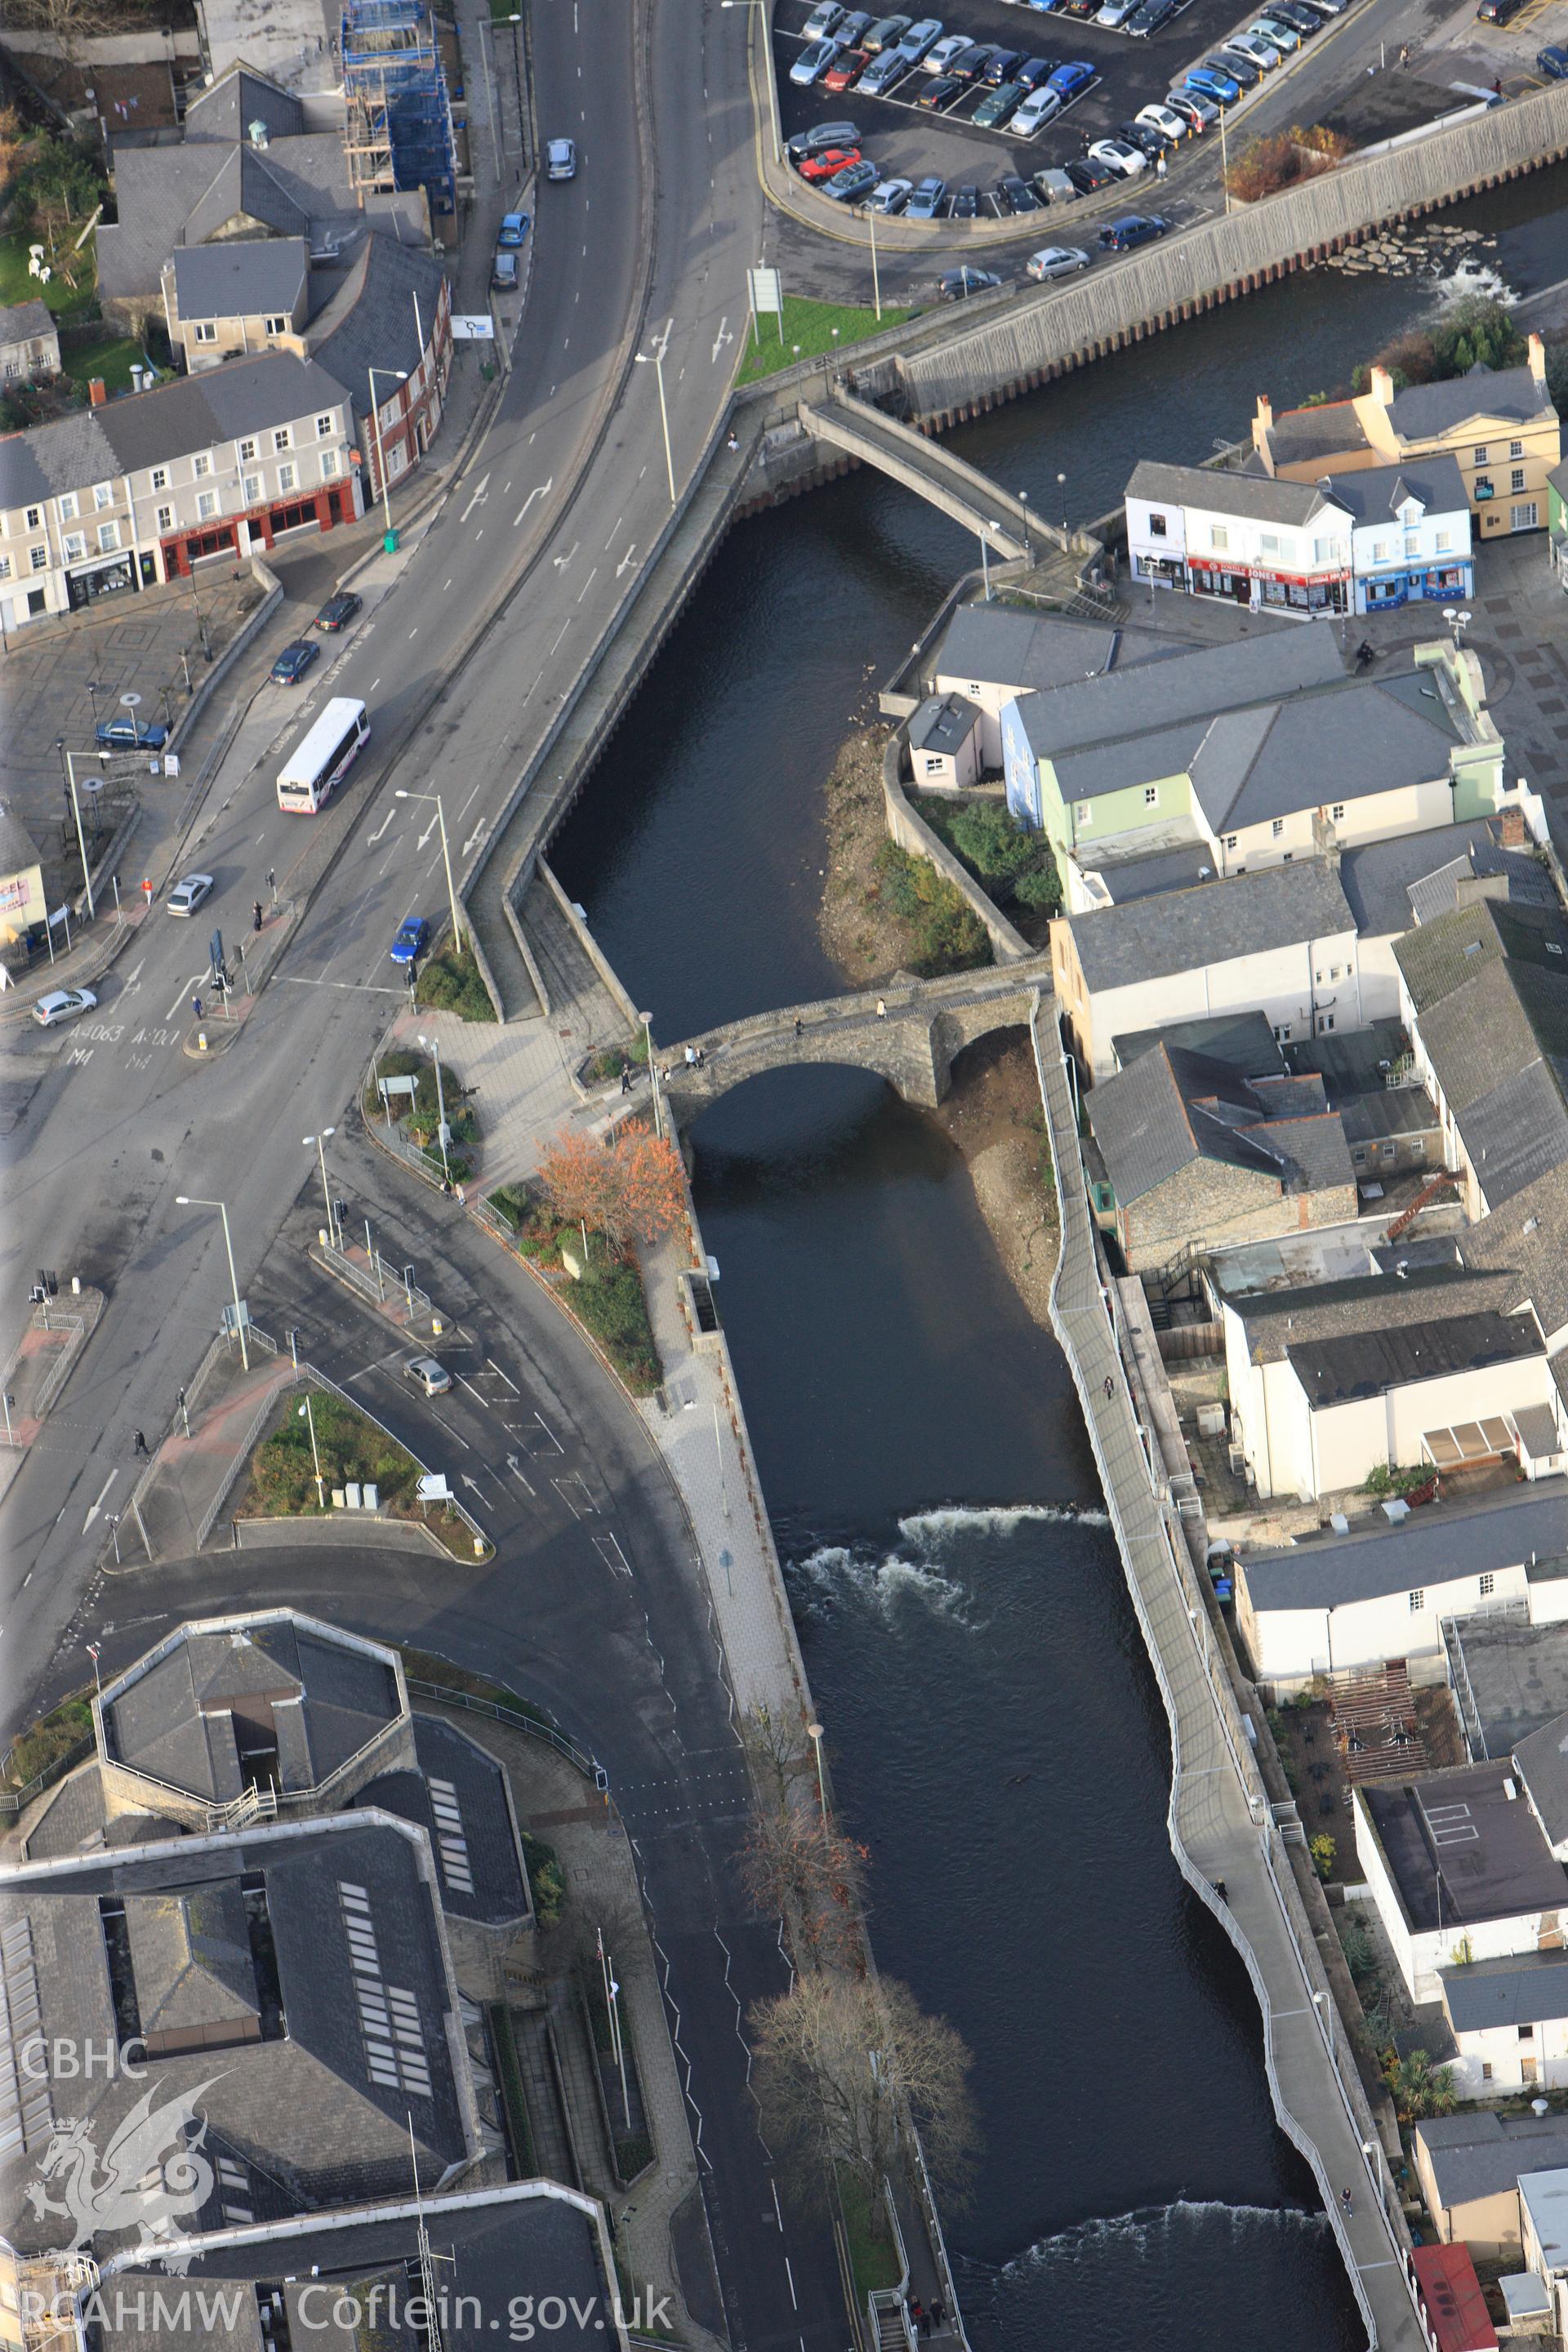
pixel 353 1451
pixel 810 329
pixel 451 982
pixel 50 1740
pixel 874 2259
pixel 609 1301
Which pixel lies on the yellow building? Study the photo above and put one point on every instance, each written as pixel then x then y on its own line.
pixel 1499 425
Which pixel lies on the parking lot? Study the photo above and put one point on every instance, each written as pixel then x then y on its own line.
pixel 908 142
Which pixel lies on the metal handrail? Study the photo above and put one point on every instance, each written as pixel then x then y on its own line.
pixel 589 1766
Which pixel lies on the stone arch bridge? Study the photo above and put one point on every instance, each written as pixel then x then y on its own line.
pixel 912 1042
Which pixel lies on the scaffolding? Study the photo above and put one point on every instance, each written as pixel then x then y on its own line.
pixel 399 131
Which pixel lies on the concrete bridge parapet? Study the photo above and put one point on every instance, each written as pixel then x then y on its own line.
pixel 1010 526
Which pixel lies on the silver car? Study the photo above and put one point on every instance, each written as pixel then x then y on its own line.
pixel 63 1004
pixel 1056 261
pixel 187 895
pixel 561 159
pixel 427 1375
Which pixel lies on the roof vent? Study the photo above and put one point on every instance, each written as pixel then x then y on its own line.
pixel 257 130
pixel 1401 1267
pixel 1510 1791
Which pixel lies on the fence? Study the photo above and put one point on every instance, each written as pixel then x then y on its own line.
pixel 589 1766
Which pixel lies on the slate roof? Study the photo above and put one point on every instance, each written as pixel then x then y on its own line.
pixel 1244 1041
pixel 1424 412
pixel 1383 879
pixel 1393 1111
pixel 1260 497
pixel 459 1795
pixel 372 319
pixel 241 277
pixel 1481 2153
pixel 1173 1107
pixel 944 723
pixel 1542 1760
pixel 1342 1370
pixel 1192 685
pixel 18 847
pixel 1433 1546
pixel 1528 1235
pixel 1483 870
pixel 237 100
pixel 1442 955
pixel 1377 494
pixel 222 403
pixel 1273 1319
pixel 174 196
pixel 24 322
pixel 71 454
pixel 1182 931
pixel 1298 435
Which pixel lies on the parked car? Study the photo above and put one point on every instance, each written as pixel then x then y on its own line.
pixel 819 169
pixel 1265 54
pixel 293 661
pixel 63 1004
pixel 1148 141
pixel 338 611
pixel 1210 82
pixel 1167 121
pixel 1035 70
pixel 882 73
pixel 561 159
pixel 921 37
pixel 1053 186
pixel 1089 176
pixel 1079 7
pixel 820 136
pixel 1114 14
pixel 889 195
pixel 1283 38
pixel 885 34
pixel 513 230
pixel 940 91
pixel 130 734
pixel 844 68
pixel 941 54
pixel 1121 156
pixel 1552 62
pixel 1498 12
pixel 413 938
pixel 971 62
pixel 1237 65
pixel 854 182
pixel 812 63
pixel 503 273
pixel 1041 106
pixel 1306 20
pixel 1150 17
pixel 957 284
pixel 825 18
pixel 1070 81
pixel 1013 194
pixel 1056 261
pixel 1323 9
pixel 1133 229
pixel 856 27
pixel 999 68
pixel 996 106
pixel 1193 107
pixel 188 893
pixel 927 200
pixel 965 203
pixel 427 1373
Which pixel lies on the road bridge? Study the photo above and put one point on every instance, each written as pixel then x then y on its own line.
pixel 1009 524
pixel 910 1033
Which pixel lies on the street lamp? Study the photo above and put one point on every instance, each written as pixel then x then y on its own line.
pixel 399 794
pixel 92 698
pixel 646 1020
pixel 773 107
pixel 69 759
pixel 813 1732
pixel 432 1046
pixel 1458 622
pixel 399 376
pixel 320 1143
pixel 309 1418
pixel 191 1201
pixel 643 360
pixel 1062 487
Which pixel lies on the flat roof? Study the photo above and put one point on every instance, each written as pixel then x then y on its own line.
pixel 1459 1851
pixel 1341 1369
pixel 1545 2196
pixel 1482 2154
pixel 1517 1676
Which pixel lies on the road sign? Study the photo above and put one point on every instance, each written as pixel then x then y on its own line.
pixel 766 289
pixel 214 949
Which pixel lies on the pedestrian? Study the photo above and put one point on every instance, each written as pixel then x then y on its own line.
pixel 626 1082
pixel 1404 53
pixel 917 2312
pixel 196 1006
pixel 462 1197
pixel 731 443
pixel 925 2323
pixel 938 2311
pixel 447 1186
pixel 1110 1388
pixel 141 1443
pixel 690 1058
pixel 881 1009
pixel 1159 167
pixel 1345 2201
pixel 702 1057
pixel 256 915
pixel 799 1025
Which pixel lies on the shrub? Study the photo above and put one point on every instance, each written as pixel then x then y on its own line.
pixel 451 983
pixel 1323 1850
pixel 1266 165
pixel 546 1879
pixel 51 1739
pixel 948 935
pixel 610 1304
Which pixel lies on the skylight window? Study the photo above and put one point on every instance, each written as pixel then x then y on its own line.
pixel 452 1845
pixel 25 2118
pixel 388 2014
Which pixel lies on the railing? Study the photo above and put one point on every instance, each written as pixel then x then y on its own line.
pixel 589 1766
pixel 14 1803
pixel 378 1286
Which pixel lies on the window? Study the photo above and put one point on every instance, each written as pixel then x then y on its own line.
pixel 1516 480
pixel 1417 1603
pixel 288 476
pixel 1528 2069
pixel 1337 811
pixel 1151 795
pixel 1488 1584
pixel 1282 1032
pixel 1325 1022
pixel 1516 448
pixel 1333 971
pixel 4 567
pixel 1231 839
pixel 1527 2032
pixel 246 452
pixel 103 495
pixel 1479 457
pixel 327 425
pixel 282 439
pixel 38 557
pixel 1412 542
pixel 329 464
pixel 206 504
pixel 1444 541
pixel 251 487
pixel 160 477
pixel 166 518
pixel 1486 2070
pixel 1484 488
pixel 1269 542
pixel 1219 538
pixel 202 466
pixel 67 506
pixel 275 326
pixel 108 537
pixel 75 546
pixel 1084 814
pixel 32 517
pixel 203 331
pixel 1523 517
pixel 1278 827
pixel 1358 1154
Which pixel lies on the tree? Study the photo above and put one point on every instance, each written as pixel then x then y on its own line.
pixel 798 1867
pixel 633 1188
pixel 779 1756
pixel 1322 1851
pixel 71 22
pixel 842 2061
pixel 55 194
pixel 1419 2088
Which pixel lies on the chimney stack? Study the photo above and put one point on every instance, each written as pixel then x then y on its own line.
pixel 1380 384
pixel 96 391
pixel 1538 359
pixel 1511 826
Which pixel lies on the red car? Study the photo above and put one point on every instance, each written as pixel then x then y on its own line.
pixel 828 165
pixel 844 68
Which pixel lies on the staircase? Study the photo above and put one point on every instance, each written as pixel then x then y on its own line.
pixel 553 2156
pixel 1423 1199
pixel 887 2318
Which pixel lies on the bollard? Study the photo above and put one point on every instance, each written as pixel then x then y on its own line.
pixel 479 1547
pixel 201 1041
pixel 323 1238
pixel 436 1326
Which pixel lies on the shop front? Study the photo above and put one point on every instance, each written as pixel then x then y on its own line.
pixel 1161 570
pixel 1269 591
pixel 109 575
pixel 1383 592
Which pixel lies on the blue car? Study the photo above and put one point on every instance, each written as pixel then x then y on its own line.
pixel 513 230
pixel 927 200
pixel 1070 81
pixel 413 938
pixel 1209 83
pixel 1554 63
pixel 293 661
pixel 130 735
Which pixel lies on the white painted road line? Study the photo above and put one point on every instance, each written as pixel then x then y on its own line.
pixel 473 1391
pixel 502 1376
pixel 197 980
pixel 99 1505
pixel 542 491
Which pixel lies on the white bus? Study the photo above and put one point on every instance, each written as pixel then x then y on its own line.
pixel 305 782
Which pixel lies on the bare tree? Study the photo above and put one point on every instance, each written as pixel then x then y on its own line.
pixel 798 1867
pixel 778 1755
pixel 845 2064
pixel 71 22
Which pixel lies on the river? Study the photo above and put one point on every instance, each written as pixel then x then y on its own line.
pixel 996 1734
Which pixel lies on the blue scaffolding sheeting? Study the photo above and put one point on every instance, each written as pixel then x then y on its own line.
pixel 395 93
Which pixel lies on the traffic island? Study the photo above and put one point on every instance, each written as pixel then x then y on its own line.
pixel 38 1370
pixel 409 1096
pixel 326 1462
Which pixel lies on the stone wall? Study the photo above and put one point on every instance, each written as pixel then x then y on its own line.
pixel 910 831
pixel 1219 1206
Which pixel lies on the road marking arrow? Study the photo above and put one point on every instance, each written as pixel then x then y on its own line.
pixel 561 562
pixel 723 337
pixel 475 837
pixel 131 982
pixel 99 1505
pixel 542 492
pixel 481 493
pixel 625 562
pixel 517 1474
pixel 381 828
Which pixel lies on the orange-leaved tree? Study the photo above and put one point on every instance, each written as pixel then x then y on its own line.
pixel 630 1189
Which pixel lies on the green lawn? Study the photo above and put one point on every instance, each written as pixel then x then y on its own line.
pixel 873 2258
pixel 809 330
pixel 109 356
pixel 16 286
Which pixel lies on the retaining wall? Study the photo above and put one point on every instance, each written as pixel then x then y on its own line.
pixel 910 831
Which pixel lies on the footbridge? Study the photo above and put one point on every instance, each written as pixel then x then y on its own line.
pixel 1009 524
pixel 910 1032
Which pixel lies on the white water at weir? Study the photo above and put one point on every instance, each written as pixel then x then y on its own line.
pixel 887 1579
pixel 1145 2234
